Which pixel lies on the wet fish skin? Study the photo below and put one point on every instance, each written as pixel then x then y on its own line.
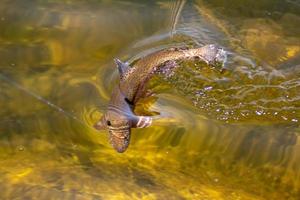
pixel 119 117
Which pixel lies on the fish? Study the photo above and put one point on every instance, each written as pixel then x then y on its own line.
pixel 119 117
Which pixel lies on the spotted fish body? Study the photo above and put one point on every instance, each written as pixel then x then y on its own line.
pixel 119 117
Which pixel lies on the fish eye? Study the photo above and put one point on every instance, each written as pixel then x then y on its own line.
pixel 108 123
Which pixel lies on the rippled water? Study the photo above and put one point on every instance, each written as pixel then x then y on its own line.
pixel 231 134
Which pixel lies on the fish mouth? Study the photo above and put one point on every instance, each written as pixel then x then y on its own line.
pixel 119 139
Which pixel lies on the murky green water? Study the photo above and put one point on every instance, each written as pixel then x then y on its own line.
pixel 230 135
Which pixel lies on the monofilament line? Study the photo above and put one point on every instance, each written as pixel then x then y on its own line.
pixel 41 99
pixel 175 16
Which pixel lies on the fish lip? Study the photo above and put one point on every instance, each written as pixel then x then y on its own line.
pixel 121 150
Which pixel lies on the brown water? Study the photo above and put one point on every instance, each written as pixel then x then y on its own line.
pixel 231 135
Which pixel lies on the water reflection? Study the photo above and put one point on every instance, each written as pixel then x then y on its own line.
pixel 221 138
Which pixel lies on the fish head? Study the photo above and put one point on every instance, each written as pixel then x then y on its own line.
pixel 119 129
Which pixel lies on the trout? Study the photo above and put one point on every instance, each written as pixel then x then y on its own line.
pixel 119 117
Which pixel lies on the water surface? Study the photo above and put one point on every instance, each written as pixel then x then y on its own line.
pixel 225 135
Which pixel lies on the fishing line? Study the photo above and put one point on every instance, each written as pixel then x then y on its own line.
pixel 41 99
pixel 178 9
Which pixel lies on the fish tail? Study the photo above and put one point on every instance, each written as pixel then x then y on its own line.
pixel 176 10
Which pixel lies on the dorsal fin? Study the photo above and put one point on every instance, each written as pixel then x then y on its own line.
pixel 122 67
